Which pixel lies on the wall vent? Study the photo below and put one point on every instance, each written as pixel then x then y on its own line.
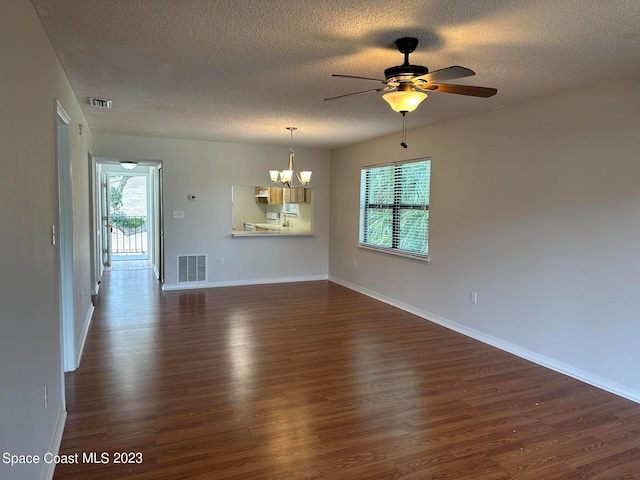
pixel 192 268
pixel 100 102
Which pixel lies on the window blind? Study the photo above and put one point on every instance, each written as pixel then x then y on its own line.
pixel 394 207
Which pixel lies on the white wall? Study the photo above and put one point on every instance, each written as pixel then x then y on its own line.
pixel 209 170
pixel 30 331
pixel 535 207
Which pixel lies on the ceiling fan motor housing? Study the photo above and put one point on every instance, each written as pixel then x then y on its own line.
pixel 404 72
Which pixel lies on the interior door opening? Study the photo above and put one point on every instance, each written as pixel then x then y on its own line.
pixel 129 214
pixel 64 236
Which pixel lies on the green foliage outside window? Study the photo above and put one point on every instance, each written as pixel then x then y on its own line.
pixel 119 219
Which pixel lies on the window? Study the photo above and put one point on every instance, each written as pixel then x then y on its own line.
pixel 394 207
pixel 291 209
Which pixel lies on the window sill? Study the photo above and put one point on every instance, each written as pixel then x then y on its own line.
pixel 396 253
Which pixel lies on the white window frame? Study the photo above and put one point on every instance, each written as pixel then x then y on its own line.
pixel 396 206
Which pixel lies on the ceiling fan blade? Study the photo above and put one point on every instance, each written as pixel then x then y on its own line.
pixel 382 89
pixel 361 78
pixel 470 90
pixel 449 73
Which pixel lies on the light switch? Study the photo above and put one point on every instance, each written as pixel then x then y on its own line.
pixel 178 214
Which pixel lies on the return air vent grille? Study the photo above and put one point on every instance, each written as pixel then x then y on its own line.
pixel 192 268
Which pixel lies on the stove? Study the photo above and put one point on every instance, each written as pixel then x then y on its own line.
pixel 272 218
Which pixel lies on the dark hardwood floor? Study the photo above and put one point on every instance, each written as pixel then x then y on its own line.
pixel 312 380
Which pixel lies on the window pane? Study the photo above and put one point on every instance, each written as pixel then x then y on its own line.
pixel 414 184
pixel 414 228
pixel 379 227
pixel 381 186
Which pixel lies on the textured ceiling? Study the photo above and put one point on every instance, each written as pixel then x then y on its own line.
pixel 242 71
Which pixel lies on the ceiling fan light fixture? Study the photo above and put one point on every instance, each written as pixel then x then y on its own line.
pixel 404 101
pixel 401 82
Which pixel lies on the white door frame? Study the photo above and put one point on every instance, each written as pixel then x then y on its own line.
pixel 105 219
pixel 145 173
pixel 95 192
pixel 159 204
pixel 65 240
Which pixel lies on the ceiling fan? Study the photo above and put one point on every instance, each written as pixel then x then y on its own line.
pixel 406 84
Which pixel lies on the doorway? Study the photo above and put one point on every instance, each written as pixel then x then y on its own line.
pixel 64 236
pixel 127 215
pixel 129 233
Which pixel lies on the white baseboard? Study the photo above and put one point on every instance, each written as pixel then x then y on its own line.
pixel 83 337
pixel 543 360
pixel 54 445
pixel 236 283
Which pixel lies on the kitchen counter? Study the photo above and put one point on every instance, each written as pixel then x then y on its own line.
pixel 271 229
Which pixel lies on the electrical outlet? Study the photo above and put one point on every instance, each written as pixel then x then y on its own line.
pixel 178 214
pixel 473 297
pixel 355 263
pixel 221 260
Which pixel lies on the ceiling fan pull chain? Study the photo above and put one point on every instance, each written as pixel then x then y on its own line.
pixel 403 143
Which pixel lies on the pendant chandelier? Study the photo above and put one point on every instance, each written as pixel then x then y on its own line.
pixel 287 177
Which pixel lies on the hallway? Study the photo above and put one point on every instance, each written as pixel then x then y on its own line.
pixel 312 380
pixel 105 395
